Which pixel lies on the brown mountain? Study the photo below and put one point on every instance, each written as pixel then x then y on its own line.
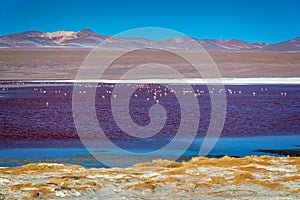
pixel 289 45
pixel 89 39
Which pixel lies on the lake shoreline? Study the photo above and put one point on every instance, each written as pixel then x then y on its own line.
pixel 193 81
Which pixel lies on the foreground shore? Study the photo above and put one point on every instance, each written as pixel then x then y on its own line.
pixel 264 177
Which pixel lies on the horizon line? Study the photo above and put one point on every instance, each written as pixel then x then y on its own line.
pixel 195 38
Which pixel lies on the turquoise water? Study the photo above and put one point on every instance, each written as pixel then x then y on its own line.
pixel 231 146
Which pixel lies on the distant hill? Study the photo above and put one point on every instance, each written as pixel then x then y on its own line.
pixel 89 39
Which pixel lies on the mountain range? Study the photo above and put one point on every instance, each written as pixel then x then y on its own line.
pixel 89 39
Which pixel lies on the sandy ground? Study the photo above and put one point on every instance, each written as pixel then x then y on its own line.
pixel 200 178
pixel 16 64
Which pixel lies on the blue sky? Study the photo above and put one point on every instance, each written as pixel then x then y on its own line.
pixel 251 20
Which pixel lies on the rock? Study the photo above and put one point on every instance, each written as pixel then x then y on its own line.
pixel 64 191
pixel 4 181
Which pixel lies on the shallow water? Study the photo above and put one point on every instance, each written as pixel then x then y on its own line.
pixel 231 146
pixel 37 123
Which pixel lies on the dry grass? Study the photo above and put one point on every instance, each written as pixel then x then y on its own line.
pixel 244 177
pixel 231 192
pixel 295 161
pixel 252 169
pixel 182 190
pixel 93 184
pixel 217 180
pixel 175 171
pixel 38 168
pixel 290 178
pixel 141 186
pixel 209 176
pixel 201 185
pixel 31 188
pixel 297 190
pixel 166 163
pixel 216 162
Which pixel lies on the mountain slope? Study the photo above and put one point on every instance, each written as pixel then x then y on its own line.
pixel 89 39
pixel 25 39
pixel 289 45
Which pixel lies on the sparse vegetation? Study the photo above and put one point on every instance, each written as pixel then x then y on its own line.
pixel 261 177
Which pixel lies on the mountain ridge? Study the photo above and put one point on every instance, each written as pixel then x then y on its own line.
pixel 86 38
